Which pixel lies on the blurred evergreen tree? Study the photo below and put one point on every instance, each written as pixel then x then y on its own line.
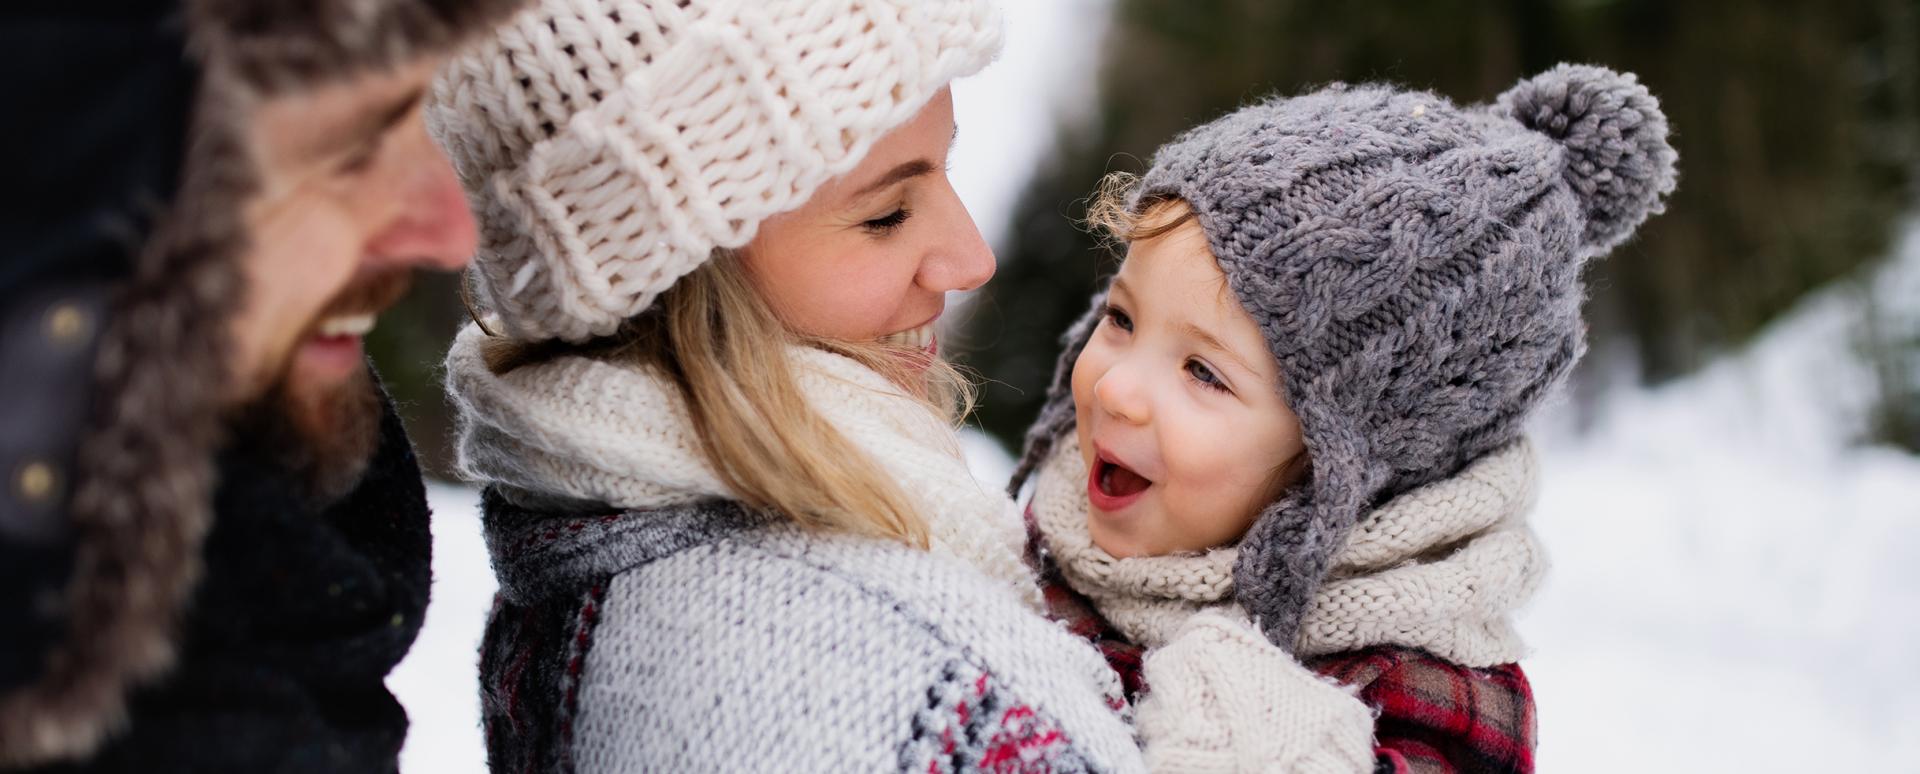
pixel 1794 121
pixel 409 347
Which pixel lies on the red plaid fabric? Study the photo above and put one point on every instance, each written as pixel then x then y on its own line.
pixel 1434 717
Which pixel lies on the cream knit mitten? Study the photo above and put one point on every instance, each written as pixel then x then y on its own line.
pixel 1220 697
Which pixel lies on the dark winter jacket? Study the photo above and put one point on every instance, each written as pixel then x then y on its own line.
pixel 122 585
pixel 300 613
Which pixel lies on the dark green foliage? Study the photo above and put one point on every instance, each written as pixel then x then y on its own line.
pixel 409 346
pixel 1795 122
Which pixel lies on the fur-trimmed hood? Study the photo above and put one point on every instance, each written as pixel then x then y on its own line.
pixel 115 300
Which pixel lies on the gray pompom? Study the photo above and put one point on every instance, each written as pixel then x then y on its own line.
pixel 1618 159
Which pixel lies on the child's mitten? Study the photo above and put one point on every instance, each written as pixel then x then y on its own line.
pixel 1220 697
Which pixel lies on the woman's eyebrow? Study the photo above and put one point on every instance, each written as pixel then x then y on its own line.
pixel 905 171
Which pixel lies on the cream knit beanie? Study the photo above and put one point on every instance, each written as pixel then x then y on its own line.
pixel 609 146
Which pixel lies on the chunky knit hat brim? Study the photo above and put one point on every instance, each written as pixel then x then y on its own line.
pixel 1415 267
pixel 610 148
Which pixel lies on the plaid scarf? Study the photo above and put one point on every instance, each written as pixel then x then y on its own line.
pixel 1434 716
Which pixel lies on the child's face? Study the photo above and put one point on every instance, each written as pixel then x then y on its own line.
pixel 1181 420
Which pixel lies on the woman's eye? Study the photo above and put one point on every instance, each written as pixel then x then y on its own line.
pixel 1119 318
pixel 1205 376
pixel 886 224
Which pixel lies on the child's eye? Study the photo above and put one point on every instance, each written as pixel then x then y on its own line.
pixel 1119 318
pixel 1205 376
pixel 886 224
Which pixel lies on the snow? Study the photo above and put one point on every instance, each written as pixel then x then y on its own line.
pixel 1736 581
pixel 439 681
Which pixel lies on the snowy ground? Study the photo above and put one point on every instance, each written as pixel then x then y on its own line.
pixel 1736 584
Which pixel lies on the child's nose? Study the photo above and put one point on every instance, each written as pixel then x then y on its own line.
pixel 1121 396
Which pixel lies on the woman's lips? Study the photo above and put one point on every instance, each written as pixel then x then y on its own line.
pixel 1112 486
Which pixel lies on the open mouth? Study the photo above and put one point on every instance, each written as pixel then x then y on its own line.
pixel 335 346
pixel 1112 486
pixel 922 338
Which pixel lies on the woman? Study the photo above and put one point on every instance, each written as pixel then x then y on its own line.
pixel 731 522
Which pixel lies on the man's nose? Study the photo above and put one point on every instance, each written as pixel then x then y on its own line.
pixel 434 227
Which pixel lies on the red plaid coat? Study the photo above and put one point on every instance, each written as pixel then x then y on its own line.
pixel 1433 716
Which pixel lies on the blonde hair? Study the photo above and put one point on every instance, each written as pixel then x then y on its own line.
pixel 724 348
pixel 1113 216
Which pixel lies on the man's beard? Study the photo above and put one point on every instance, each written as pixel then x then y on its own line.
pixel 324 435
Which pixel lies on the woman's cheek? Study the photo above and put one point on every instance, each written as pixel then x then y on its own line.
pixel 859 302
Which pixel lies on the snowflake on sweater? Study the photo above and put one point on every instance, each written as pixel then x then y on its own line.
pixel 972 723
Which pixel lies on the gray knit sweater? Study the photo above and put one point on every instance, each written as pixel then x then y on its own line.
pixel 673 630
pixel 706 638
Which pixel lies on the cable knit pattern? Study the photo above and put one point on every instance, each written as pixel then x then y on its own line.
pixel 1415 267
pixel 1439 569
pixel 608 147
pixel 598 432
pixel 1222 698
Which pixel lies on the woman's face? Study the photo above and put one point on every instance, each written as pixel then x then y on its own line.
pixel 873 254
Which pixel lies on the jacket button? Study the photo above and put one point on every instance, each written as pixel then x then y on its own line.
pixel 66 324
pixel 35 482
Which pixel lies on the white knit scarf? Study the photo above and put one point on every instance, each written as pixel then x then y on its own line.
pixel 621 435
pixel 1440 568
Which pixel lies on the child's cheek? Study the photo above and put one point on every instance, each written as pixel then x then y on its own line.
pixel 1215 479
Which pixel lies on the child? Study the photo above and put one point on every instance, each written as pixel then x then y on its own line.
pixel 1297 409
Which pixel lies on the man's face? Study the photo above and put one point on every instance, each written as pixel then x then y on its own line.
pixel 354 197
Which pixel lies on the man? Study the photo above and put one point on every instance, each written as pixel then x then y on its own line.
pixel 213 535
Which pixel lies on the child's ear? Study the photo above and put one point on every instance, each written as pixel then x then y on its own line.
pixel 1619 162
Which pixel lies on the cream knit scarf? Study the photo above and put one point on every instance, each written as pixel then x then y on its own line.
pixel 1439 568
pixel 621 435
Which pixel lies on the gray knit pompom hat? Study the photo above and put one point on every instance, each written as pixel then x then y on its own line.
pixel 1415 267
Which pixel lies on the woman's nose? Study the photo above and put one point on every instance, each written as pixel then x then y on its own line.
pixel 960 260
